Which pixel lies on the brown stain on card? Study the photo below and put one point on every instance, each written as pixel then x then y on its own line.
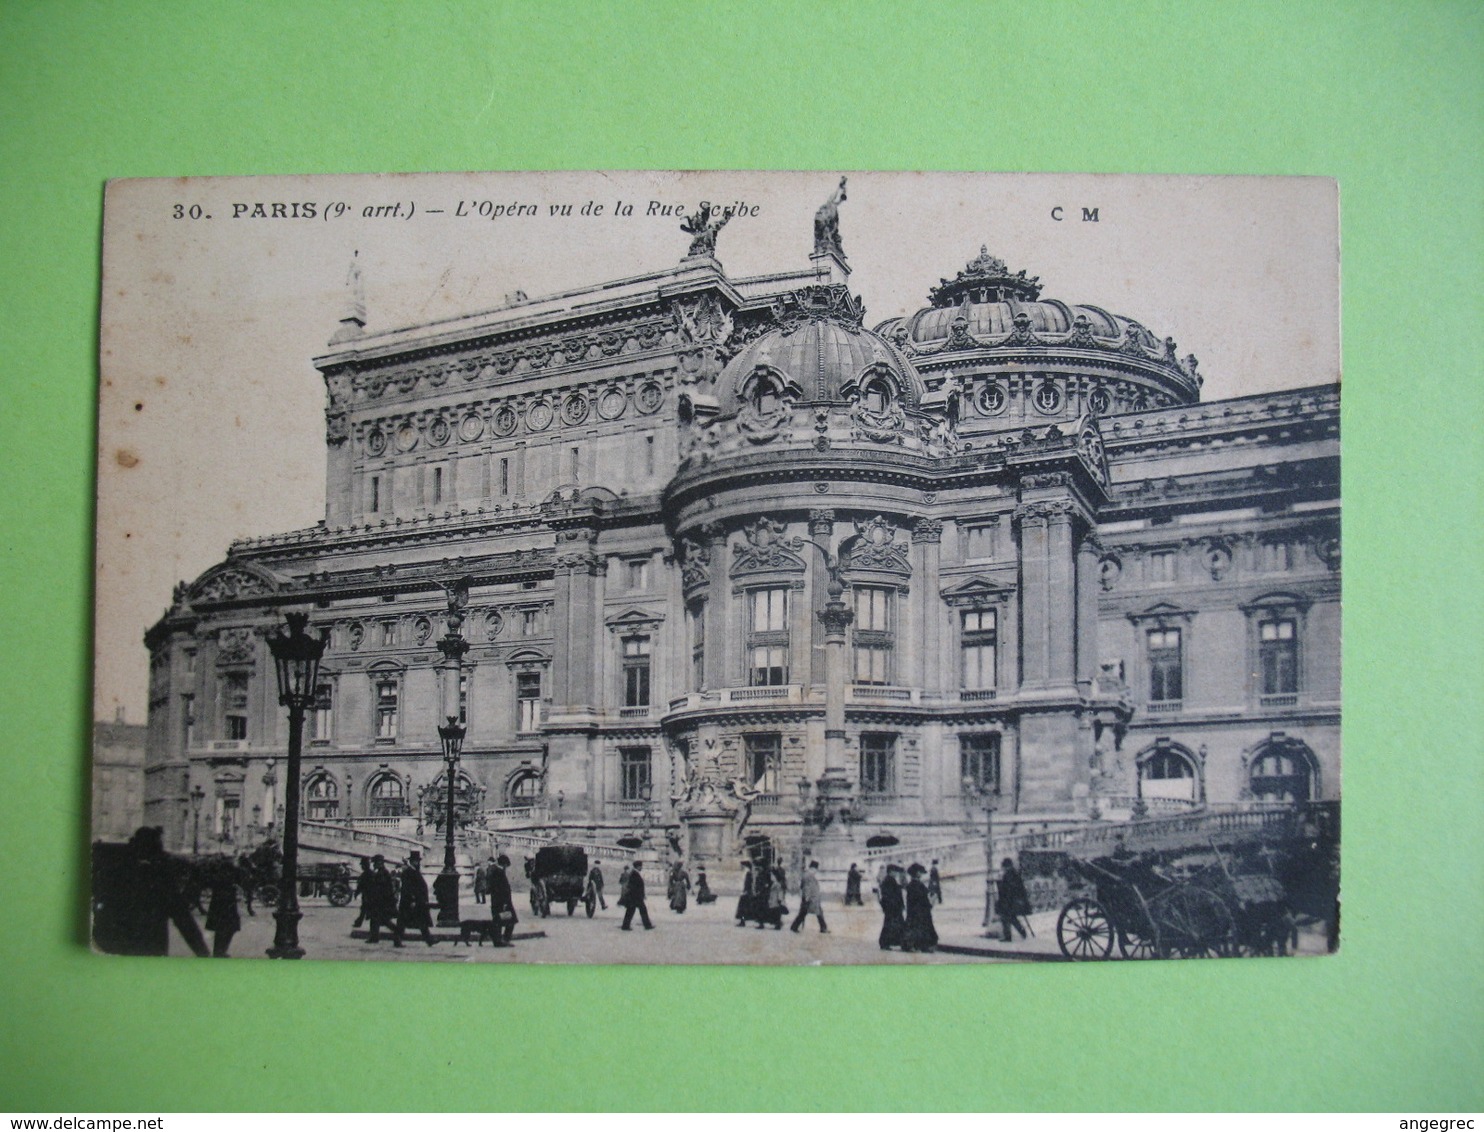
pixel 125 458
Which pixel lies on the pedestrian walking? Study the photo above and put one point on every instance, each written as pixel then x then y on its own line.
pixel 853 885
pixel 893 908
pixel 413 911
pixel 595 885
pixel 935 883
pixel 623 883
pixel 380 901
pixel 704 895
pixel 679 887
pixel 632 900
pixel 777 906
pixel 747 902
pixel 1011 900
pixel 222 917
pixel 919 933
pixel 810 902
pixel 361 892
pixel 482 881
pixel 502 902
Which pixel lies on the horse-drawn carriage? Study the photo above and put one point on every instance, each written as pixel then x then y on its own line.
pixel 1195 901
pixel 558 875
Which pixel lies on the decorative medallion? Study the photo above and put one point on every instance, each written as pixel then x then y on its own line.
pixel 471 428
pixel 574 350
pixel 494 621
pixel 574 408
pixel 1100 400
pixel 1047 398
pixel 439 432
pixel 505 420
pixel 376 442
pixel 439 375
pixel 651 397
pixel 422 629
pixel 406 438
pixel 610 343
pixel 992 399
pixel 357 635
pixel 504 363
pixel 538 416
pixel 611 404
pixel 1109 570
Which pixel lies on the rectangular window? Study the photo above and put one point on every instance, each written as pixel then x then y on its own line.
pixel 695 616
pixel 464 698
pixel 878 764
pixel 1275 557
pixel 375 493
pixel 386 709
pixel 527 622
pixel 1165 679
pixel 636 672
pixel 528 701
pixel 649 455
pixel 574 463
pixel 636 574
pixel 388 633
pixel 190 662
pixel 1162 566
pixel 979 543
pixel 505 476
pixel 768 636
pixel 977 644
pixel 872 634
pixel 437 485
pixel 234 700
pixel 1278 649
pixel 322 715
pixel 979 763
pixel 634 773
pixel 765 763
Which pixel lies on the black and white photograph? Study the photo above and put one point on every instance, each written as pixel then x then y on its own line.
pixel 718 568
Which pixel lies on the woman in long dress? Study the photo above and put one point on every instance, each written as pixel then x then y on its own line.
pixel 745 903
pixel 679 887
pixel 920 933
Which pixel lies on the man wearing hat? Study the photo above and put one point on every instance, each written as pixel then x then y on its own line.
pixel 810 901
pixel 379 899
pixel 633 899
pixel 414 911
pixel 889 893
pixel 502 902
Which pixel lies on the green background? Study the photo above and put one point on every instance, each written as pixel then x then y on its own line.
pixel 1384 96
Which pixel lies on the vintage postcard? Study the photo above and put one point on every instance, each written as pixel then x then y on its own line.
pixel 628 567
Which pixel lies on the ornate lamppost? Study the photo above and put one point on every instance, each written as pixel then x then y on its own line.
pixel 987 796
pixel 296 657
pixel 453 646
pixel 197 796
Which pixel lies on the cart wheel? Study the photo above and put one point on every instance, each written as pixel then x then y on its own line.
pixel 591 904
pixel 340 894
pixel 1197 923
pixel 268 895
pixel 1084 931
pixel 1135 945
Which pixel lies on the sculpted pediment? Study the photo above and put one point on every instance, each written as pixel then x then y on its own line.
pixel 233 581
pixel 976 591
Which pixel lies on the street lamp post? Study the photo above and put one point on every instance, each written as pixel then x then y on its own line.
pixel 453 646
pixel 836 617
pixel 988 797
pixel 197 796
pixel 296 657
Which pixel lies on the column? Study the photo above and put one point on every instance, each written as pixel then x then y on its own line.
pixel 719 642
pixel 812 597
pixel 927 542
pixel 836 617
pixel 1035 597
pixel 1062 595
pixel 1088 555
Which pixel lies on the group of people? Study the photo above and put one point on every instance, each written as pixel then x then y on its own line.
pixel 401 904
pixel 906 909
pixel 762 901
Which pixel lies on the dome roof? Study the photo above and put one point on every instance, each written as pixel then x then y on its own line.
pixel 818 348
pixel 987 308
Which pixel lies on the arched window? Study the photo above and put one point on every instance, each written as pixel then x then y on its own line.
pixel 321 798
pixel 524 790
pixel 765 397
pixel 878 396
pixel 1282 772
pixel 1169 772
pixel 386 797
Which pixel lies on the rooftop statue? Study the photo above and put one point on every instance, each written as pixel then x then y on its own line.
pixel 827 224
pixel 702 230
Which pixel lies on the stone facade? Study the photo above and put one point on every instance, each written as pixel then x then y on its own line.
pixel 1067 581
pixel 118 778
